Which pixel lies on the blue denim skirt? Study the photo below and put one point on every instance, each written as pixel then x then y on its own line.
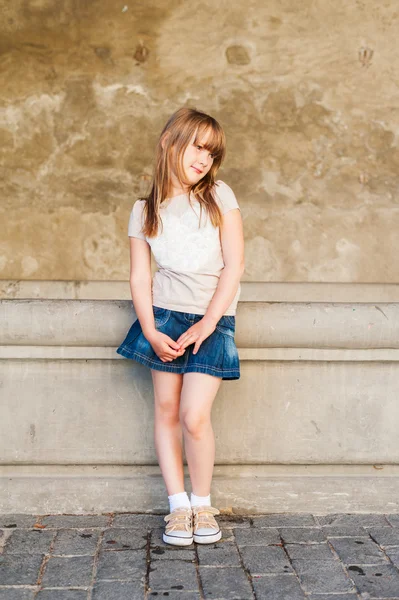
pixel 217 355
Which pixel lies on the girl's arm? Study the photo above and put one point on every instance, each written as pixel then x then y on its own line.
pixel 141 282
pixel 232 242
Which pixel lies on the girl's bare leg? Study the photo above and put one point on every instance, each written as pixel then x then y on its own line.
pixel 167 428
pixel 198 393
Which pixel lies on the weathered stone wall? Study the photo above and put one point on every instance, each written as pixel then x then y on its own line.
pixel 306 91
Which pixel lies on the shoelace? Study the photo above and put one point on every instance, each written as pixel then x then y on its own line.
pixel 179 520
pixel 203 517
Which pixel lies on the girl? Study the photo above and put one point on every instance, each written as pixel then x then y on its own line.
pixel 185 326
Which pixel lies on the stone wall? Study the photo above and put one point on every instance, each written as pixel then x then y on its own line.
pixel 306 91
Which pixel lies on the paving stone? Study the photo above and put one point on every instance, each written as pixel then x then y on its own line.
pixel 74 521
pixel 322 577
pixel 277 587
pixel 380 581
pixel 265 559
pixel 139 521
pixel 172 553
pixel 128 565
pixel 62 595
pixel 229 583
pixel 118 590
pixel 20 569
pixel 17 594
pixel 354 547
pixel 393 554
pixel 362 520
pixel 173 575
pixel 310 552
pixel 358 551
pixel 124 539
pixel 230 521
pixel 285 520
pixel 349 596
pixel 4 535
pixel 257 537
pixel 76 541
pixel 32 541
pixel 295 535
pixel 218 554
pixel 344 531
pixel 227 534
pixel 175 595
pixel 67 571
pixel 393 519
pixel 385 536
pixel 17 520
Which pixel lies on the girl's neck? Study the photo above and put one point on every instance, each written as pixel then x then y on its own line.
pixel 176 189
pixel 176 194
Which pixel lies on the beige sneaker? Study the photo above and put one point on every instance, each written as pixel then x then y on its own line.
pixel 205 528
pixel 179 528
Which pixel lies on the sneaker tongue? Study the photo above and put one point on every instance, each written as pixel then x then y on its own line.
pixel 206 509
pixel 178 513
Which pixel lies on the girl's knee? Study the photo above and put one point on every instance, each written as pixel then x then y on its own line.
pixel 167 409
pixel 194 423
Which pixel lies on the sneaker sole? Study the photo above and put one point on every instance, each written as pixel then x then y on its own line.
pixel 207 539
pixel 177 541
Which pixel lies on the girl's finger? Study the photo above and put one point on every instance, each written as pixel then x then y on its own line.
pixel 170 356
pixel 185 336
pixel 196 347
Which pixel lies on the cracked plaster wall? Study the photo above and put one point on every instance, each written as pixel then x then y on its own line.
pixel 307 93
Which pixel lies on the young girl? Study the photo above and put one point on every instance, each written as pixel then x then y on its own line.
pixel 185 326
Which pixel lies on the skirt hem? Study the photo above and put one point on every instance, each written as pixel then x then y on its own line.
pixel 232 374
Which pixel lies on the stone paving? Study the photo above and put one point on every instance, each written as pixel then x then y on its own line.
pixel 283 556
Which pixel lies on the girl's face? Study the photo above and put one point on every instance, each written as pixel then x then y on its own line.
pixel 197 160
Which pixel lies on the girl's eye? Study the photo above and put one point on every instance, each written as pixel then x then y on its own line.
pixel 199 148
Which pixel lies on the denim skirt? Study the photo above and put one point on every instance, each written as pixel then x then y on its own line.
pixel 217 355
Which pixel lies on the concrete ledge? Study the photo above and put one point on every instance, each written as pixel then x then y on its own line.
pixel 251 291
pixel 85 411
pixel 254 354
pixel 313 489
pixel 259 324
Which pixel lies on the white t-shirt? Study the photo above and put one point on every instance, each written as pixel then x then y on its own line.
pixel 189 258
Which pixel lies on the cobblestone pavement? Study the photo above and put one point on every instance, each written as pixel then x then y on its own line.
pixel 282 556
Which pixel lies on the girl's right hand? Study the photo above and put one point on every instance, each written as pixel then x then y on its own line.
pixel 164 347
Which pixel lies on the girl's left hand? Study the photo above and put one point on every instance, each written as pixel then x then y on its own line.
pixel 196 334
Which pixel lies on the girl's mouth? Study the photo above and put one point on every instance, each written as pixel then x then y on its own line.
pixel 195 169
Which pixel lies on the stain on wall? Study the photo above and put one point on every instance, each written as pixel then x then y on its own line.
pixel 307 93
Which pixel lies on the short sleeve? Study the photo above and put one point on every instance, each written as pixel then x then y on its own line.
pixel 227 198
pixel 135 220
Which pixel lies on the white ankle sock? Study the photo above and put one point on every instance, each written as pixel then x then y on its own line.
pixel 200 500
pixel 177 500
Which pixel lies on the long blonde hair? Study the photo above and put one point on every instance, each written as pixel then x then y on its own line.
pixel 177 133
